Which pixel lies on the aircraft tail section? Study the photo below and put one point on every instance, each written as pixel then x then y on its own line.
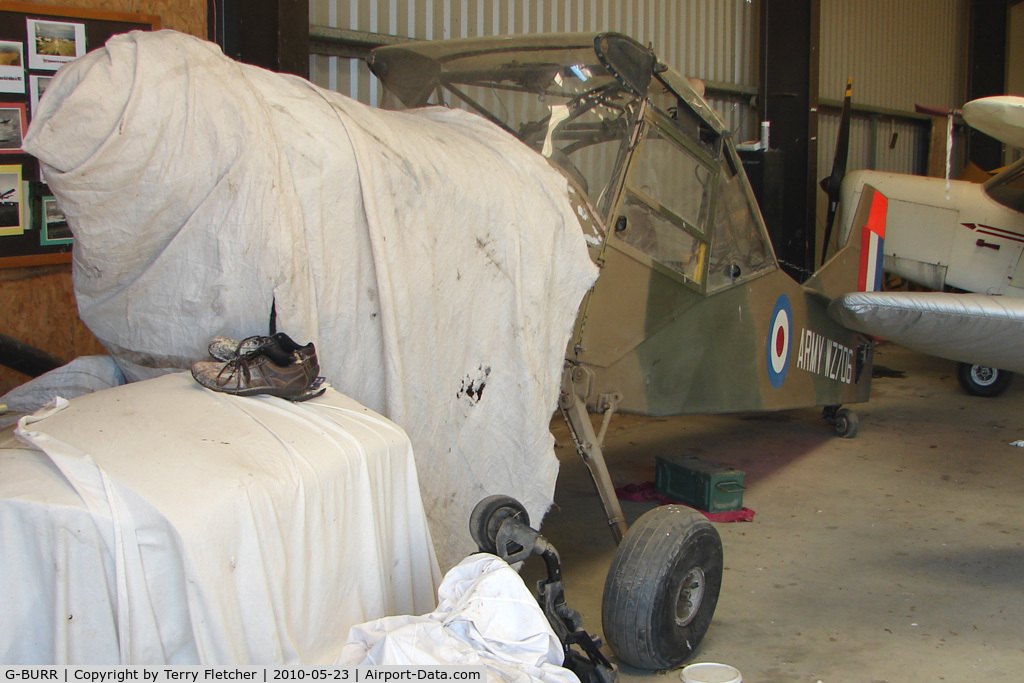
pixel 857 266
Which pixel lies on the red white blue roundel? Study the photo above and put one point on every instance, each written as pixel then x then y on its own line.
pixel 779 336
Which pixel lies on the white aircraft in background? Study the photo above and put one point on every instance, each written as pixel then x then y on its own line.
pixel 968 238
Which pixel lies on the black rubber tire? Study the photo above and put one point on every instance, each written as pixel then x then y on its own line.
pixel 487 516
pixel 846 423
pixel 981 380
pixel 639 610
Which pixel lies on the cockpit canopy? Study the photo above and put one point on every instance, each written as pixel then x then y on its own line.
pixel 633 134
pixel 1007 187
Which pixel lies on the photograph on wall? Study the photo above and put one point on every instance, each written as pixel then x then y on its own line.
pixel 52 44
pixel 36 88
pixel 12 127
pixel 12 67
pixel 54 228
pixel 10 201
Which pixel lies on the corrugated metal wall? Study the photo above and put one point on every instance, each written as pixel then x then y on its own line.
pixel 899 53
pixel 715 40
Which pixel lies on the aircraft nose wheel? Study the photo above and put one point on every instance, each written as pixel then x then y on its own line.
pixel 662 587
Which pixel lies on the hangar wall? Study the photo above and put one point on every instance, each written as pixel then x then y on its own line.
pixel 899 54
pixel 714 40
pixel 37 304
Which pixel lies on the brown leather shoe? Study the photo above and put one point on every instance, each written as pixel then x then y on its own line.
pixel 225 348
pixel 269 369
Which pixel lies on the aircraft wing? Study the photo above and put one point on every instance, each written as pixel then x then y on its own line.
pixel 1001 117
pixel 971 328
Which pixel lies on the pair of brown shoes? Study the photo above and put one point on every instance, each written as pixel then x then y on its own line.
pixel 274 365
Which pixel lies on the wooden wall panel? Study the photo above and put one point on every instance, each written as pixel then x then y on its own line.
pixel 187 16
pixel 37 305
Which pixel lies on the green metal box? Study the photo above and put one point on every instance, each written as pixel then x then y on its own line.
pixel 703 485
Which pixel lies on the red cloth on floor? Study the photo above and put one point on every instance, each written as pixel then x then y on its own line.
pixel 645 492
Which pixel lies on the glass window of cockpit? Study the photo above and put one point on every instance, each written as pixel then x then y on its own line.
pixel 1007 187
pixel 739 244
pixel 668 192
pixel 685 119
pixel 562 102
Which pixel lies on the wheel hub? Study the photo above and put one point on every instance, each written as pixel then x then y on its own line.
pixel 691 593
pixel 983 375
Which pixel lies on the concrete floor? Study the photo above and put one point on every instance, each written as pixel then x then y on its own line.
pixel 893 556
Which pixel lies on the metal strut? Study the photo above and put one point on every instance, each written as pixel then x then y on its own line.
pixel 588 445
pixel 515 541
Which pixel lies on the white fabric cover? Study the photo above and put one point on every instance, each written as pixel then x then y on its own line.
pixel 433 259
pixel 970 328
pixel 81 376
pixel 160 522
pixel 485 616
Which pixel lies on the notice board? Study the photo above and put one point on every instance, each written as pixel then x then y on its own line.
pixel 35 41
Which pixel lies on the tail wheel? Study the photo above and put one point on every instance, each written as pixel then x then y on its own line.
pixel 845 423
pixel 662 588
pixel 981 380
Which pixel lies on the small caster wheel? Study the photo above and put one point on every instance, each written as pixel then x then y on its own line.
pixel 486 519
pixel 845 423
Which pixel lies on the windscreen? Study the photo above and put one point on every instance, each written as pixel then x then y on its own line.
pixel 1007 188
pixel 561 102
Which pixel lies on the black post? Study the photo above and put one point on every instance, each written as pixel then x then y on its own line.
pixel 986 74
pixel 789 100
pixel 273 34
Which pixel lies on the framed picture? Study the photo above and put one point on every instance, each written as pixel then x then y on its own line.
pixel 52 44
pixel 36 87
pixel 54 228
pixel 26 205
pixel 12 127
pixel 10 201
pixel 12 67
pixel 37 39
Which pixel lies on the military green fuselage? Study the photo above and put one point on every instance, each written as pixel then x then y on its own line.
pixel 691 312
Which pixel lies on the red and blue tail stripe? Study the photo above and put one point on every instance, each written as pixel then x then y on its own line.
pixel 872 238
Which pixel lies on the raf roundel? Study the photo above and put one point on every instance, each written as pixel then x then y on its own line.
pixel 779 335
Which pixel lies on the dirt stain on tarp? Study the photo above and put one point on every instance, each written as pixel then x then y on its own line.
pixel 473 387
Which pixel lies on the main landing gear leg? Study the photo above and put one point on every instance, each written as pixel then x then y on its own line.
pixel 588 445
pixel 663 583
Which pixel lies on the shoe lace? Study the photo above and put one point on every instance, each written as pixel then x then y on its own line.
pixel 236 367
pixel 256 341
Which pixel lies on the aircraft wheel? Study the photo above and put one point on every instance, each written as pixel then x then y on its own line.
pixel 846 423
pixel 981 380
pixel 662 587
pixel 486 519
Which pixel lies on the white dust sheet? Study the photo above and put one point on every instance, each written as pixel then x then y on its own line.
pixel 433 259
pixel 160 522
pixel 485 616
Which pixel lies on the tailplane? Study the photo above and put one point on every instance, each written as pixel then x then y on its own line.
pixel 857 266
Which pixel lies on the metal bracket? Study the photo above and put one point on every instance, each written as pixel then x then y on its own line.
pixel 516 542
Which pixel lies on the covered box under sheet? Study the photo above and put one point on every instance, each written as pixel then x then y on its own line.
pixel 160 522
